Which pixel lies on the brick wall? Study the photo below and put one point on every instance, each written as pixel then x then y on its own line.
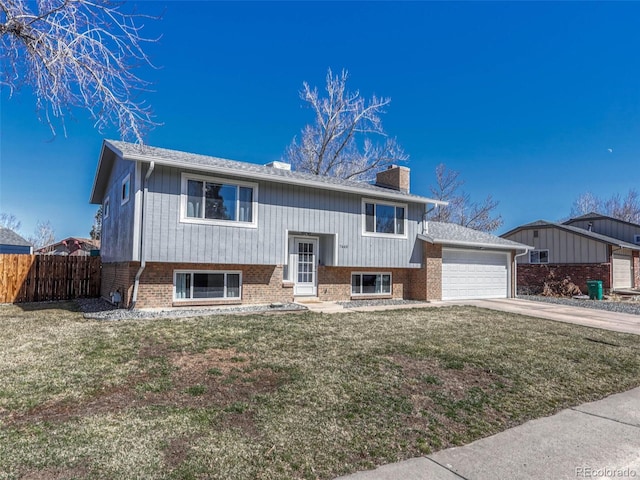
pixel 636 269
pixel 118 277
pixel 334 283
pixel 531 277
pixel 264 284
pixel 425 283
pixel 260 284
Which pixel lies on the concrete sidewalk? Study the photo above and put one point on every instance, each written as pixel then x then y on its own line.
pixel 595 440
pixel 590 317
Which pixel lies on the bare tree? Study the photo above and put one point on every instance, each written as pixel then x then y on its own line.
pixel 624 208
pixel 461 209
pixel 96 228
pixel 339 143
pixel 586 203
pixel 10 221
pixel 77 53
pixel 43 235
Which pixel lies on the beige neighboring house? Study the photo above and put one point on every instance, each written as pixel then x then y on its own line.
pixel 591 247
pixel 72 246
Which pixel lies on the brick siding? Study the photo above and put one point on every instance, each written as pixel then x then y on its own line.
pixel 334 283
pixel 636 269
pixel 531 277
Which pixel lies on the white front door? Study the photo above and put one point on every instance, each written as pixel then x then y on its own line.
pixel 305 261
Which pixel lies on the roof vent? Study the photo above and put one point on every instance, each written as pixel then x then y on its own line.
pixel 279 165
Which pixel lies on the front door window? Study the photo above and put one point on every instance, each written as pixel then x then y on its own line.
pixel 305 275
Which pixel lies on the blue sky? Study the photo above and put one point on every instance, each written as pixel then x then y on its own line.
pixel 524 99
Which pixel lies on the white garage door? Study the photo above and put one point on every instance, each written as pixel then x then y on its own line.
pixel 469 274
pixel 622 271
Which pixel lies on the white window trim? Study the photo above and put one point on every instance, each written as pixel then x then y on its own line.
pixel 106 208
pixel 210 221
pixel 363 214
pixel 125 180
pixel 370 294
pixel 539 262
pixel 225 272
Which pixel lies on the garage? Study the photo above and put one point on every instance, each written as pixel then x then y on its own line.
pixel 622 271
pixel 474 274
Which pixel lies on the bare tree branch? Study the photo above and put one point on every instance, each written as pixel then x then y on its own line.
pixel 461 210
pixel 43 235
pixel 10 221
pixel 77 53
pixel 626 209
pixel 339 142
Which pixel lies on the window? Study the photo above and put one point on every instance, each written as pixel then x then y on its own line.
pixel 217 200
pixel 203 285
pixel 370 284
pixel 535 234
pixel 106 208
pixel 126 190
pixel 539 256
pixel 636 239
pixel 384 218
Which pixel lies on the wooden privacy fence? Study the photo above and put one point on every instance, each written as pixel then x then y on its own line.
pixel 37 278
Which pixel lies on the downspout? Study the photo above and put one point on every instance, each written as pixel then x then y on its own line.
pixel 143 261
pixel 515 274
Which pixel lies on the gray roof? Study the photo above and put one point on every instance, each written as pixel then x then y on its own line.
pixel 457 235
pixel 578 231
pixel 145 153
pixel 598 216
pixel 9 237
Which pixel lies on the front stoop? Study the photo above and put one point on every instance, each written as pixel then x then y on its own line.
pixel 314 304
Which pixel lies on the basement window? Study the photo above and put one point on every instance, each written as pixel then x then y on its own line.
pixel 207 285
pixel 370 284
pixel 539 256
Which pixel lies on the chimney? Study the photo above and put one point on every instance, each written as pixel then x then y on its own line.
pixel 395 177
pixel 279 165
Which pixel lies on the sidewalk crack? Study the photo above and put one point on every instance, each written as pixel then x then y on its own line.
pixel 575 409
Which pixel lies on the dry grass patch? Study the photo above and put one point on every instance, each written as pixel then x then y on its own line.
pixel 289 396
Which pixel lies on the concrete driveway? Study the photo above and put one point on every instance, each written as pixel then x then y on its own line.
pixel 589 317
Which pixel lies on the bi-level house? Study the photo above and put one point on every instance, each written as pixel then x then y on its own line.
pixel 185 229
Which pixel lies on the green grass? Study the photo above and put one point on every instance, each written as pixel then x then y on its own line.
pixel 290 396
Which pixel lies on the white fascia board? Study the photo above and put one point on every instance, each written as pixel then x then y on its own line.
pixel 273 178
pixel 95 177
pixel 462 243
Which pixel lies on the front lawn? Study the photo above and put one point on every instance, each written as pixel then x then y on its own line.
pixel 282 396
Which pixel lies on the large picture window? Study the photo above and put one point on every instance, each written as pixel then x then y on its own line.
pixel 203 285
pixel 370 284
pixel 218 200
pixel 384 218
pixel 539 256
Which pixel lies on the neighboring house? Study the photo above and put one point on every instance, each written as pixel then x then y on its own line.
pixel 577 253
pixel 72 246
pixel 187 229
pixel 11 242
pixel 609 226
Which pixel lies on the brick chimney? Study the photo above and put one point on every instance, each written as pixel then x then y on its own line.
pixel 395 177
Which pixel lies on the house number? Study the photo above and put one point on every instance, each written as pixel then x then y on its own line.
pixel 344 246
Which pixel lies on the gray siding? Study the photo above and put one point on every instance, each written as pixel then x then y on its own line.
pixel 334 216
pixel 15 249
pixel 117 229
pixel 563 246
pixel 610 228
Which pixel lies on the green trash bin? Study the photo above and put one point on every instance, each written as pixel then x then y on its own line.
pixel 595 289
